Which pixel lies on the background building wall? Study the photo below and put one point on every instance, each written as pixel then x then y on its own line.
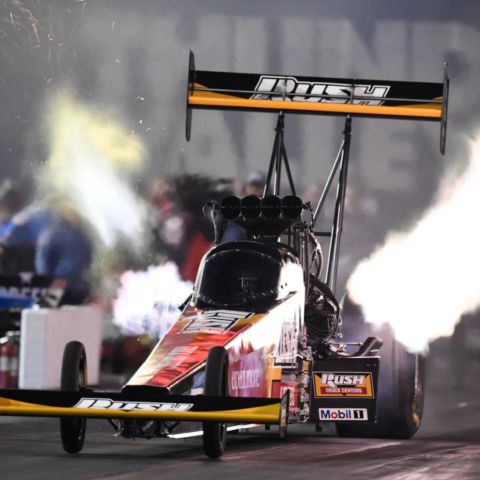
pixel 130 59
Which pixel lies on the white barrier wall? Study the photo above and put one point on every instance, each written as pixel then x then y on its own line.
pixel 44 334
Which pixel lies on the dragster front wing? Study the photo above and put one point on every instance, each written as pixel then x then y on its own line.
pixel 152 405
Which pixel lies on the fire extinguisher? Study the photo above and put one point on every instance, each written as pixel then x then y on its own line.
pixel 14 359
pixel 9 357
pixel 4 348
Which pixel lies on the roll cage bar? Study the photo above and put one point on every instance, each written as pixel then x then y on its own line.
pixel 304 233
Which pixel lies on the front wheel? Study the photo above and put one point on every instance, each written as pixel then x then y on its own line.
pixel 74 375
pixel 216 384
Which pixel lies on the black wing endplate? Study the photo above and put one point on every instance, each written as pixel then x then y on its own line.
pixel 317 95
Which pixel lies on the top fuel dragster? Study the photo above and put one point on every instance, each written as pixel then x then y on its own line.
pixel 259 339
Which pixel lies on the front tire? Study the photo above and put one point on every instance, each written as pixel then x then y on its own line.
pixel 74 375
pixel 216 384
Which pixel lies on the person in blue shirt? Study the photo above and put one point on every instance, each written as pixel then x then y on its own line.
pixel 65 250
pixel 20 227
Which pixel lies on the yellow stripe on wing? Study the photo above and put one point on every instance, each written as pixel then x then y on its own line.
pixel 262 414
pixel 207 98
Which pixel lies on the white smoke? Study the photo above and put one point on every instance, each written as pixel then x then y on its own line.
pixel 147 301
pixel 103 197
pixel 91 159
pixel 421 282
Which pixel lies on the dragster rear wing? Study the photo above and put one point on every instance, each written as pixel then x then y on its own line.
pixel 153 405
pixel 317 95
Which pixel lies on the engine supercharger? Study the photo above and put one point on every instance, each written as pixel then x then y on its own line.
pixel 9 359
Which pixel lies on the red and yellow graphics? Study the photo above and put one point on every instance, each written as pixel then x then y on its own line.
pixel 186 345
pixel 259 346
pixel 343 384
pixel 280 389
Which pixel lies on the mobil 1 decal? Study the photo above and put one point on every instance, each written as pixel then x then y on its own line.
pixel 343 384
pixel 214 321
pixel 343 414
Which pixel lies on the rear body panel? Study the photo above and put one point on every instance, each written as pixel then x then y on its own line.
pixel 344 389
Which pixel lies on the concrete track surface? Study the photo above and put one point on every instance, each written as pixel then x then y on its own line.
pixel 446 447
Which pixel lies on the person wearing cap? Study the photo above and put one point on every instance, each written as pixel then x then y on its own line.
pixel 255 183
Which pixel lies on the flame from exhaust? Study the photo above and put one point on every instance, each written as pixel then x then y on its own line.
pixel 90 161
pixel 421 282
pixel 147 301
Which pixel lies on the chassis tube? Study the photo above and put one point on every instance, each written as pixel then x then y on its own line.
pixel 334 249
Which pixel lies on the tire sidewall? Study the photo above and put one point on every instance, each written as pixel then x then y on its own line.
pixel 74 366
pixel 216 384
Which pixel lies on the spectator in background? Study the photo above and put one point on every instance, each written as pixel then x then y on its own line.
pixel 22 225
pixel 64 250
pixel 160 196
pixel 11 202
pixel 191 193
pixel 255 183
pixel 168 223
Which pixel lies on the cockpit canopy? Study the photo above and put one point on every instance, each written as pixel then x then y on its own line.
pixel 246 275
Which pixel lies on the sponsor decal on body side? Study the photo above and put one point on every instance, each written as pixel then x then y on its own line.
pixel 176 356
pixel 280 388
pixel 247 375
pixel 286 350
pixel 342 414
pixel 293 389
pixel 214 321
pixel 343 384
pixel 108 404
pixel 246 379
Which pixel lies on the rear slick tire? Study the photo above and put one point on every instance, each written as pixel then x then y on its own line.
pixel 74 376
pixel 216 384
pixel 400 396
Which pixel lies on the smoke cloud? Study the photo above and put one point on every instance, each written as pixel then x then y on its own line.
pixel 422 281
pixel 89 168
